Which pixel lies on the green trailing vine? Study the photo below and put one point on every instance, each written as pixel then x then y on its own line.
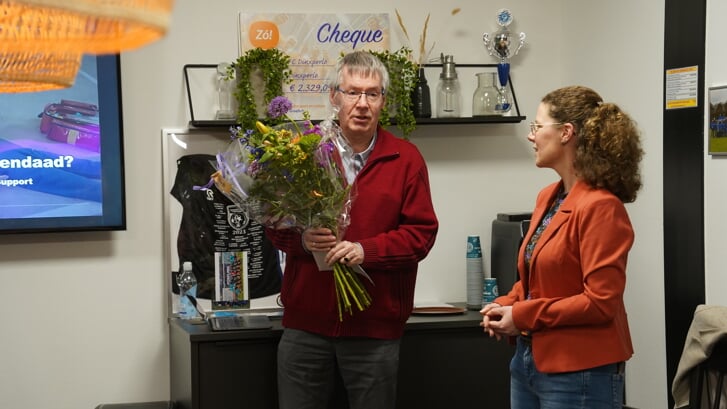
pixel 275 67
pixel 402 80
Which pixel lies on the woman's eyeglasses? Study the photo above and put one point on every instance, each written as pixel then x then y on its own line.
pixel 535 127
pixel 353 96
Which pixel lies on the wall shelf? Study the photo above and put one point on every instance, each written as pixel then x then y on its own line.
pixel 494 119
pixel 490 119
pixel 516 118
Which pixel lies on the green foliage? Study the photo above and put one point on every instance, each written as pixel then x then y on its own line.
pixel 275 67
pixel 290 174
pixel 293 179
pixel 402 80
pixel 717 142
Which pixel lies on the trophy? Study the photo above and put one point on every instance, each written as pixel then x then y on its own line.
pixel 498 45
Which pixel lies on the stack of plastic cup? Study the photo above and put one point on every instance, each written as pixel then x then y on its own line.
pixel 489 291
pixel 475 273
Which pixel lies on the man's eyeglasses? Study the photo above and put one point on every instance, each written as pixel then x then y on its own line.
pixel 535 127
pixel 353 96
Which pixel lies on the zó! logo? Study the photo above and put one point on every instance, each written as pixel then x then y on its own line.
pixel 264 34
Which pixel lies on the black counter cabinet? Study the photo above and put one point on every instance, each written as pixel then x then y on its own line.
pixel 446 361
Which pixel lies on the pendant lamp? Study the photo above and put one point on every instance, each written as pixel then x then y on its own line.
pixel 42 41
pixel 35 71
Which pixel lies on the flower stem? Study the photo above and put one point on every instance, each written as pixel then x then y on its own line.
pixel 359 287
pixel 338 296
pixel 340 280
pixel 295 124
pixel 349 287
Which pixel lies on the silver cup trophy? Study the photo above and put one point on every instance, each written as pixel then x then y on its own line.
pixel 499 45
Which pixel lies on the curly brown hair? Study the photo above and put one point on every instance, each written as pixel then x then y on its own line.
pixel 608 151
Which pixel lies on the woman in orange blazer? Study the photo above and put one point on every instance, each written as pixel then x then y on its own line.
pixel 567 311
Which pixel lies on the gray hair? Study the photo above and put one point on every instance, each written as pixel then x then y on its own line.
pixel 360 63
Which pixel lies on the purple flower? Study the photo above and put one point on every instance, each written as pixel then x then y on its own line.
pixel 253 169
pixel 324 153
pixel 257 153
pixel 236 133
pixel 279 106
pixel 312 129
pixel 327 147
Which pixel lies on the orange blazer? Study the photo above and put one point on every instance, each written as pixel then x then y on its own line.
pixel 577 279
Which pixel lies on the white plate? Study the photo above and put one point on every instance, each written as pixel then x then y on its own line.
pixel 438 310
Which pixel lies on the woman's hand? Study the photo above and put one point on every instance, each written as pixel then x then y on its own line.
pixel 485 324
pixel 497 321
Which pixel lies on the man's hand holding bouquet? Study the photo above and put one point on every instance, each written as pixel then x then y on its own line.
pixel 291 176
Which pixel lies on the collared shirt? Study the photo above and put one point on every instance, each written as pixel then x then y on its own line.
pixel 353 162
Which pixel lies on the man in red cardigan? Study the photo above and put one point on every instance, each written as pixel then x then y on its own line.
pixel 393 227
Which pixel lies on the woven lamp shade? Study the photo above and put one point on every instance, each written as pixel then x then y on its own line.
pixel 28 71
pixel 82 26
pixel 42 40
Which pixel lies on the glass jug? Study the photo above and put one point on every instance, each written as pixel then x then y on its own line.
pixel 484 99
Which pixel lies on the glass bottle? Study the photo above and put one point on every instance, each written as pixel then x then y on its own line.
pixel 225 89
pixel 420 97
pixel 449 96
pixel 485 97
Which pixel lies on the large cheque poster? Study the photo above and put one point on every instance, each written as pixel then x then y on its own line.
pixel 314 43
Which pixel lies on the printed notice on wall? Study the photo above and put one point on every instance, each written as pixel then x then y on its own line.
pixel 681 87
pixel 314 43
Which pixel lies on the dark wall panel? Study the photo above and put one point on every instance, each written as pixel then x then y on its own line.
pixel 684 38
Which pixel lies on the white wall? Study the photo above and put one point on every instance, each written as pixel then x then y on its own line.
pixel 620 53
pixel 715 167
pixel 85 320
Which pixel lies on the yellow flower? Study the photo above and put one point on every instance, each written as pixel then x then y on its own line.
pixel 288 176
pixel 264 129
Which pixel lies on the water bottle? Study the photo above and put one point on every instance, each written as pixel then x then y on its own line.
pixel 187 284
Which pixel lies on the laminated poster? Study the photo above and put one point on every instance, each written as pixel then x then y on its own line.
pixel 231 286
pixel 314 43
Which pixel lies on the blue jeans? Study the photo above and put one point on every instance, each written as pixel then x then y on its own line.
pixel 596 388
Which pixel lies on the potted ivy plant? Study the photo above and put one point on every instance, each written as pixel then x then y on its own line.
pixel 404 74
pixel 259 75
pixel 403 77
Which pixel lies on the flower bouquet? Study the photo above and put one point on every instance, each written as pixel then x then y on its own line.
pixel 289 176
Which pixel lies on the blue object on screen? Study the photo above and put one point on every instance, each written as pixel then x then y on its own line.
pixel 61 154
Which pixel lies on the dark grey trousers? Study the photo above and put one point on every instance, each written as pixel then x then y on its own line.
pixel 307 367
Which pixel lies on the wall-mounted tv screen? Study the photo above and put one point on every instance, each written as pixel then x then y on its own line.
pixel 61 154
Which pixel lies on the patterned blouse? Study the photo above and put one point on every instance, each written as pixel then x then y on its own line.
pixel 543 224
